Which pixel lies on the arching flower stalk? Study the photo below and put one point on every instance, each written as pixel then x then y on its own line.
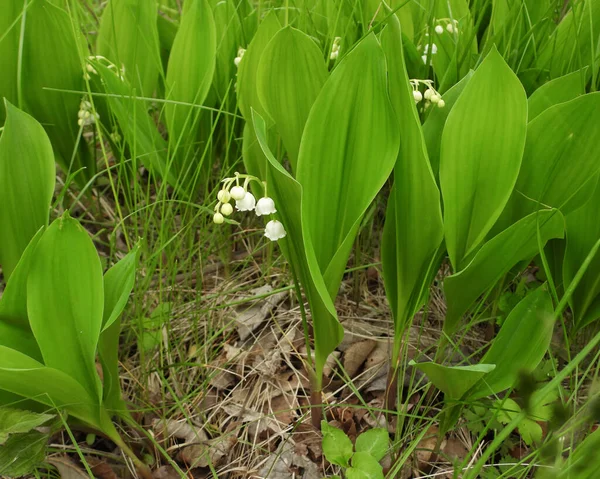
pixel 245 201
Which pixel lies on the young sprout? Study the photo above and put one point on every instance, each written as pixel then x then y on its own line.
pixel 245 201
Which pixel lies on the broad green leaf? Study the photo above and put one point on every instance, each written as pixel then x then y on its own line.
pixel 436 120
pixel 453 381
pixel 65 301
pixel 27 176
pixel 583 231
pixel 26 377
pixel 290 74
pixel 556 91
pixel 118 284
pixel 364 466
pixel 410 246
pixel 247 86
pixel 375 442
pixel 128 37
pixel 51 59
pixel 18 421
pixel 247 94
pixel 287 193
pixel 337 447
pixel 520 345
pixel 495 259
pixel 10 22
pixel 341 169
pixel 190 71
pixel 20 455
pixel 229 38
pixel 139 130
pixel 560 159
pixel 482 146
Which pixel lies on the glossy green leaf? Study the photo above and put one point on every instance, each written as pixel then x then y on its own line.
pixel 453 381
pixel 287 193
pixel 436 120
pixel 65 301
pixel 190 71
pixel 15 331
pixel 27 176
pixel 337 447
pixel 560 159
pixel 583 231
pixel 247 86
pixel 556 91
pixel 289 77
pixel 495 259
pixel 520 345
pixel 482 146
pixel 26 377
pixel 375 442
pixel 364 466
pixel 9 52
pixel 128 36
pixel 118 284
pixel 51 57
pixel 409 250
pixel 339 167
pixel 247 94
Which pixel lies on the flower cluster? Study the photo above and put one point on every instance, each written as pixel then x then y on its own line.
pixel 240 55
pixel 245 201
pixel 431 95
pixel 86 116
pixel 335 48
pixel 451 25
pixel 111 66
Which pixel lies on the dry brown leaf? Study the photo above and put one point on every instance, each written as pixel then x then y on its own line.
pixel 101 468
pixel 285 463
pixel 331 363
pixel 356 355
pixel 67 468
pixel 424 449
pixel 179 430
pixel 248 318
pixel 455 449
pixel 166 472
pixel 210 453
pixel 283 407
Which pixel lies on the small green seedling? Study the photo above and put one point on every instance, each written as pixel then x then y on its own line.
pixel 360 461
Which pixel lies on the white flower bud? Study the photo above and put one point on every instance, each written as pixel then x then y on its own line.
pixel 265 206
pixel 247 203
pixel 424 58
pixel 428 94
pixel 439 29
pixel 274 230
pixel 441 103
pixel 226 209
pixel 223 196
pixel 218 218
pixel 450 28
pixel 237 61
pixel 334 55
pixel 417 95
pixel 237 193
pixel 433 48
pixel 435 98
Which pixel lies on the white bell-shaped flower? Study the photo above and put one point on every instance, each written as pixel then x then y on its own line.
pixel 439 29
pixel 274 230
pixel 223 196
pixel 247 203
pixel 265 206
pixel 237 193
pixel 418 96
